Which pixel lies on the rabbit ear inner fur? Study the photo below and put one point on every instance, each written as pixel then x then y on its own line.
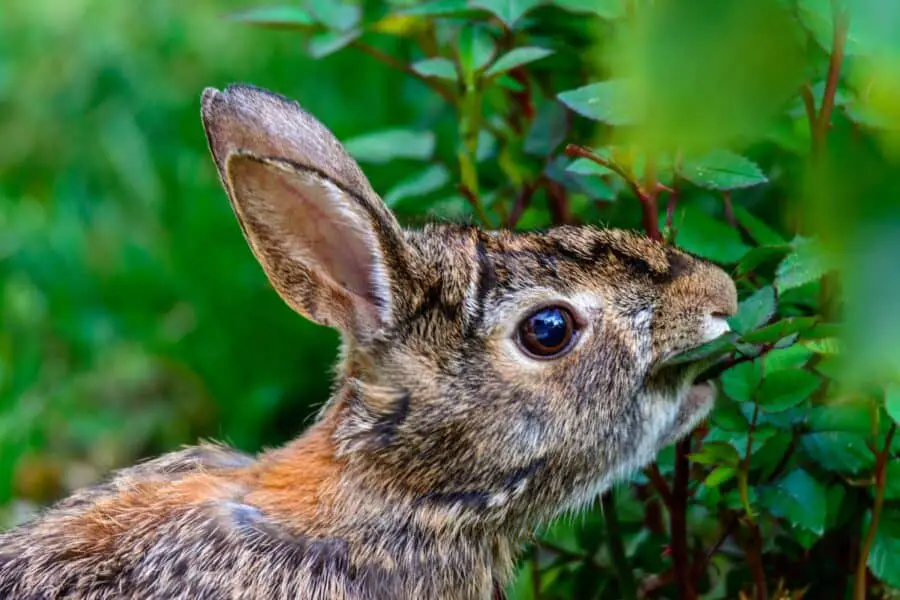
pixel 326 241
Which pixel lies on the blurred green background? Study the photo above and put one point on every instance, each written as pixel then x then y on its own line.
pixel 134 317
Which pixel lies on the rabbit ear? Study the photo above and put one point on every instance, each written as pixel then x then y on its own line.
pixel 328 244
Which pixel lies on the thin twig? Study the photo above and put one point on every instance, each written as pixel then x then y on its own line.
pixel 841 23
pixel 729 209
pixel 809 104
pixel 678 521
pixel 650 200
pixel 881 459
pixel 392 62
pixel 659 483
pixel 627 586
pixel 477 206
pixel 521 203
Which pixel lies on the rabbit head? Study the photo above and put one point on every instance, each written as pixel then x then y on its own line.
pixel 497 377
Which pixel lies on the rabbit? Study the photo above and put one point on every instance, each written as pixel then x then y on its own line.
pixel 488 382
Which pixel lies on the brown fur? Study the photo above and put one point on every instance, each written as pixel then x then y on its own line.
pixel 443 445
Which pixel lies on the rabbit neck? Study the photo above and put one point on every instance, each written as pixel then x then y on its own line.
pixel 315 491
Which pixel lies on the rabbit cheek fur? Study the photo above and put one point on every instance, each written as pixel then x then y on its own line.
pixel 443 444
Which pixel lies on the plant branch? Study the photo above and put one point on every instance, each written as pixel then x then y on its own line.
pixel 881 460
pixel 650 200
pixel 475 201
pixel 392 62
pixel 678 521
pixel 841 23
pixel 627 586
pixel 646 193
pixel 659 483
pixel 754 549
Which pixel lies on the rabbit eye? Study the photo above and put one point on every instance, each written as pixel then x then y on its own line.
pixel 547 333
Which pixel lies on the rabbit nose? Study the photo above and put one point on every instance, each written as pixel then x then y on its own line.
pixel 720 294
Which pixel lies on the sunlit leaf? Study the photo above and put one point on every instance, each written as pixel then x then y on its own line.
pixel 722 170
pixel 330 42
pixel 430 180
pixel 517 57
pixel 442 68
pixel 439 8
pixel 476 48
pixel 384 146
pixel 335 14
pixel 892 401
pixel 607 101
pixel 720 475
pixel 508 11
pixel 276 17
pixel 713 453
pixel 608 9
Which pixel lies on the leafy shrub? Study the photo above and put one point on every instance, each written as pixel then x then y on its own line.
pixel 760 135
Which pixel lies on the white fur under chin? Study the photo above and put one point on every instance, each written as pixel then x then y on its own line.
pixel 698 398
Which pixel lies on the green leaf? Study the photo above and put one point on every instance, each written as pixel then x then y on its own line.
pixel 754 311
pixel 720 475
pixel 854 416
pixel 800 499
pixel 438 8
pixel 829 346
pixel 548 130
pixel 780 330
pixel 722 170
pixel 390 144
pixel 336 15
pixel 705 236
pixel 476 48
pixel 329 42
pixel 761 233
pixel 790 357
pixel 805 264
pixel 741 381
pixel 727 416
pixel 715 453
pixel 607 101
pixel 430 180
pixel 892 480
pixel 585 166
pixel 840 451
pixel 440 67
pixel 884 557
pixel 607 9
pixel 892 401
pixel 517 57
pixel 276 17
pixel 508 11
pixel 718 347
pixel 758 256
pixel 785 389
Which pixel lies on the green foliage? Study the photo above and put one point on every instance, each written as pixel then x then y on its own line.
pixel 762 136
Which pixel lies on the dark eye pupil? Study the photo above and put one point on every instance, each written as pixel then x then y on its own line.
pixel 547 332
